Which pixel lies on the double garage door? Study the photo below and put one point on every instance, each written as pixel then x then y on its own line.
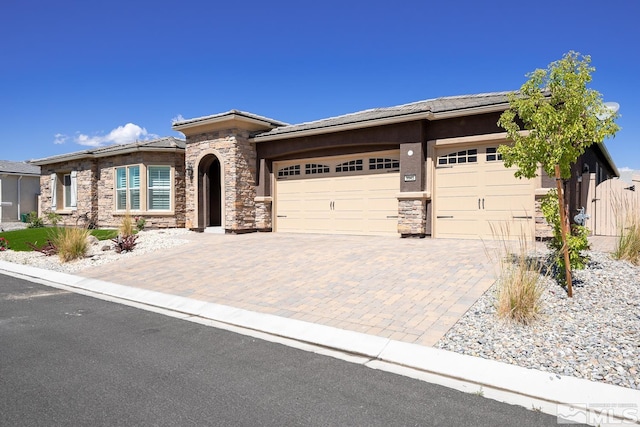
pixel 477 197
pixel 338 195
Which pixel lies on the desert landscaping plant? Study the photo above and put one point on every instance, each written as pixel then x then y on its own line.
pixel 521 273
pixel 71 242
pixel 124 243
pixel 126 225
pixel 4 244
pixel 628 241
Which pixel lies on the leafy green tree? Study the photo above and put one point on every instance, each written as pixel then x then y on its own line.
pixel 552 120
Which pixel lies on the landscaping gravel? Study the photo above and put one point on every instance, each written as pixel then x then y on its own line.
pixel 594 335
pixel 100 252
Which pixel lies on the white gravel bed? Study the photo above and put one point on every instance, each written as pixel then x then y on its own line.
pixel 594 335
pixel 147 241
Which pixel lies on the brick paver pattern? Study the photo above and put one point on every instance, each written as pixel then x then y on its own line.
pixel 410 290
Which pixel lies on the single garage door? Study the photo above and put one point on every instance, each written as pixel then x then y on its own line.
pixel 476 196
pixel 338 195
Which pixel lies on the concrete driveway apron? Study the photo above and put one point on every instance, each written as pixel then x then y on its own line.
pixel 410 290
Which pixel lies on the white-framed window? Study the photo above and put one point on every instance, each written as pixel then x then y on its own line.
pixel 128 188
pixel 159 188
pixel 64 191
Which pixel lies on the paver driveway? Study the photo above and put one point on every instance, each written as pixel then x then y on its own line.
pixel 409 290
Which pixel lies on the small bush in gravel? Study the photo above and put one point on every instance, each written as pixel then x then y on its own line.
pixel 71 242
pixel 125 243
pixel 4 244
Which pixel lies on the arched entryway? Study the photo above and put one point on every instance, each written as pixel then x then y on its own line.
pixel 210 194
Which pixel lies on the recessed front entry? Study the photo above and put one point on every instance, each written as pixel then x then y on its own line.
pixel 210 192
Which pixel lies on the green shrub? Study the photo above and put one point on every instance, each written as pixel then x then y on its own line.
pixel 71 242
pixel 577 241
pixel 34 221
pixel 140 223
pixel 54 218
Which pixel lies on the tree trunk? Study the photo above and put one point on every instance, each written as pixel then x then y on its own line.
pixel 564 230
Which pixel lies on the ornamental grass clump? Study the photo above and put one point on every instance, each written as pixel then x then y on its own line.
pixel 519 287
pixel 628 241
pixel 126 225
pixel 71 242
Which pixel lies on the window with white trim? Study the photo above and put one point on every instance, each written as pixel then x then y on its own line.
pixel 159 188
pixel 383 163
pixel 64 191
pixel 459 157
pixel 493 155
pixel 128 188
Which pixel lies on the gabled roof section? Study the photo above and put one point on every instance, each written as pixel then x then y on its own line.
pixel 161 144
pixel 431 109
pixel 18 168
pixel 229 119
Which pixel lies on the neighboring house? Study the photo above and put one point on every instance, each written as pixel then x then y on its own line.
pixel 19 189
pixel 425 168
pixel 102 185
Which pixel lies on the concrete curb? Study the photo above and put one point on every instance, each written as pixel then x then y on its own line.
pixel 575 399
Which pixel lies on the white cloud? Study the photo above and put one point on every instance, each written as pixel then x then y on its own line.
pixel 120 135
pixel 60 138
pixel 625 169
pixel 177 118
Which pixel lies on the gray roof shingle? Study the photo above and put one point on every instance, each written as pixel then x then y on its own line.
pixel 19 168
pixel 436 105
pixel 112 150
pixel 230 112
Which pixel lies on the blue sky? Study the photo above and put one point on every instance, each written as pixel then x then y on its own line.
pixel 77 74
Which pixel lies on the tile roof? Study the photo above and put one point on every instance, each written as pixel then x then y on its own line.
pixel 228 113
pixel 115 149
pixel 436 105
pixel 19 168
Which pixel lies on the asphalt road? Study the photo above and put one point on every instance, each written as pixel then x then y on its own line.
pixel 72 360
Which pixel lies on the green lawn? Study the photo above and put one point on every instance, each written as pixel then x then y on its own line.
pixel 38 236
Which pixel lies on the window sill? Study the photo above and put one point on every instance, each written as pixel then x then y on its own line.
pixel 145 213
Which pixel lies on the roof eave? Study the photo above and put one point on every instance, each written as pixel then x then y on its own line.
pixel 608 158
pixel 422 115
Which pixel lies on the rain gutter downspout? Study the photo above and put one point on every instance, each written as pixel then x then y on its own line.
pixel 19 192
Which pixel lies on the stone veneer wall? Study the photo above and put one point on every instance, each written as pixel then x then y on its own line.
pixel 96 189
pixel 239 171
pixel 412 217
pixel 264 215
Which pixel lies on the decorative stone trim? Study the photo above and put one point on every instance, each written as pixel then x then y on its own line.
pixel 412 217
pixel 263 199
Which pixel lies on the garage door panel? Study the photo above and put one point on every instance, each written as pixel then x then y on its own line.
pixel 471 205
pixel 347 202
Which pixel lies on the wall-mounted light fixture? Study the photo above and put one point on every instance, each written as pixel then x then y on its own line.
pixel 190 170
